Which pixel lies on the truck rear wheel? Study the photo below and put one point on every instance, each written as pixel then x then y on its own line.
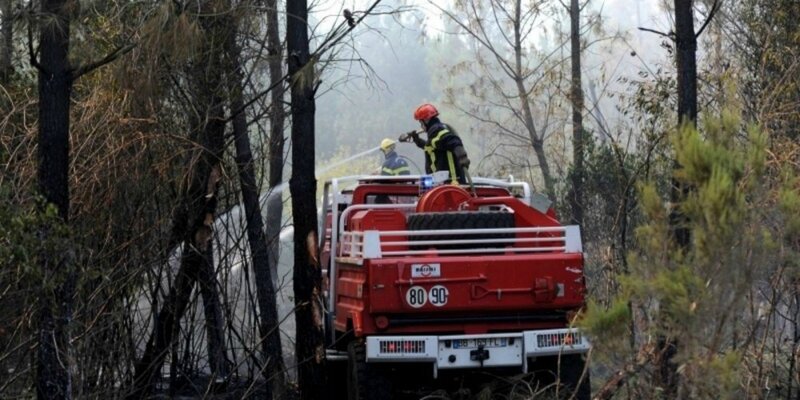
pixel 572 369
pixel 548 371
pixel 365 381
pixel 460 220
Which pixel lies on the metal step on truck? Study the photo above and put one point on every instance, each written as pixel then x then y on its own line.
pixel 426 281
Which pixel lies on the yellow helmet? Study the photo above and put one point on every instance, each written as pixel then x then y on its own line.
pixel 387 144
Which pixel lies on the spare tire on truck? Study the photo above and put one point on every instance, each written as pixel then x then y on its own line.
pixel 469 220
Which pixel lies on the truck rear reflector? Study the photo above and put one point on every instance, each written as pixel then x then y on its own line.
pixel 402 346
pixel 558 339
pixel 554 342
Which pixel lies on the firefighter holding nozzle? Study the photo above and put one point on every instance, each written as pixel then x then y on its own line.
pixel 444 150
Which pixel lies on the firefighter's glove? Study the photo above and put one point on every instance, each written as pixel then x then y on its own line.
pixel 409 137
pixel 461 156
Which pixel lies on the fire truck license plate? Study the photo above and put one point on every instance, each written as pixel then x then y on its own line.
pixel 475 343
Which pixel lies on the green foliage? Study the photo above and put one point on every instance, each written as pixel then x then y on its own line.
pixel 726 369
pixel 17 236
pixel 608 323
pixel 28 232
pixel 789 203
pixel 33 239
pixel 679 293
pixel 700 295
pixel 653 238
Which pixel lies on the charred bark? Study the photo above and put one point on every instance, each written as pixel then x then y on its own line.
pixel 53 379
pixel 276 139
pixel 6 43
pixel 310 350
pixel 148 367
pixel 576 193
pixel 207 75
pixel 686 63
pixel 274 369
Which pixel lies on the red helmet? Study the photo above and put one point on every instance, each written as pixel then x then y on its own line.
pixel 425 112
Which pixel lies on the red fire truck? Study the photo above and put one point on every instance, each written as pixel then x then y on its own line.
pixel 426 279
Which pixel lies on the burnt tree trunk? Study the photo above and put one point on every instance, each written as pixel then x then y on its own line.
pixel 276 139
pixel 56 76
pixel 196 265
pixel 209 94
pixel 148 368
pixel 194 219
pixel 53 380
pixel 310 350
pixel 576 193
pixel 273 370
pixel 686 64
pixel 6 43
pixel 686 61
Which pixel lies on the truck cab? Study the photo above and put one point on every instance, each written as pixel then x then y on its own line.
pixel 445 278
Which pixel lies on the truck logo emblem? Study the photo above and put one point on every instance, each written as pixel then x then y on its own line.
pixel 426 270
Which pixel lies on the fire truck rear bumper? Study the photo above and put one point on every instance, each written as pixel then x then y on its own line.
pixel 477 351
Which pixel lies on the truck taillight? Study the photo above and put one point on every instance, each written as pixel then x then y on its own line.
pixel 382 322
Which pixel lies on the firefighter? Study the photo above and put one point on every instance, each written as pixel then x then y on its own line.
pixel 444 150
pixel 393 165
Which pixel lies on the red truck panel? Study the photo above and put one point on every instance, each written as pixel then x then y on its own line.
pixel 508 282
pixel 351 297
pixel 385 220
pixel 467 286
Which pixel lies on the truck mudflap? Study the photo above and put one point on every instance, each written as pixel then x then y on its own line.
pixel 477 351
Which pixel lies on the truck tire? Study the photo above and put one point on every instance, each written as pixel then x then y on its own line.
pixel 460 220
pixel 336 384
pixel 547 373
pixel 365 381
pixel 572 367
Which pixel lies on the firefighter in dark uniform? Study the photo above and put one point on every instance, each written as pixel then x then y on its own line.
pixel 393 165
pixel 444 150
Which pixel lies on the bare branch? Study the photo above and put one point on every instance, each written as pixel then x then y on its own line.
pixel 667 35
pixel 333 38
pixel 32 53
pixel 89 67
pixel 714 9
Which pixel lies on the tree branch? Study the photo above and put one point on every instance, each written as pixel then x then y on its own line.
pixel 326 45
pixel 714 8
pixel 668 35
pixel 32 53
pixel 89 67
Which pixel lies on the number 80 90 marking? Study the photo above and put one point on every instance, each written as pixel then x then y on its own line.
pixel 416 296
